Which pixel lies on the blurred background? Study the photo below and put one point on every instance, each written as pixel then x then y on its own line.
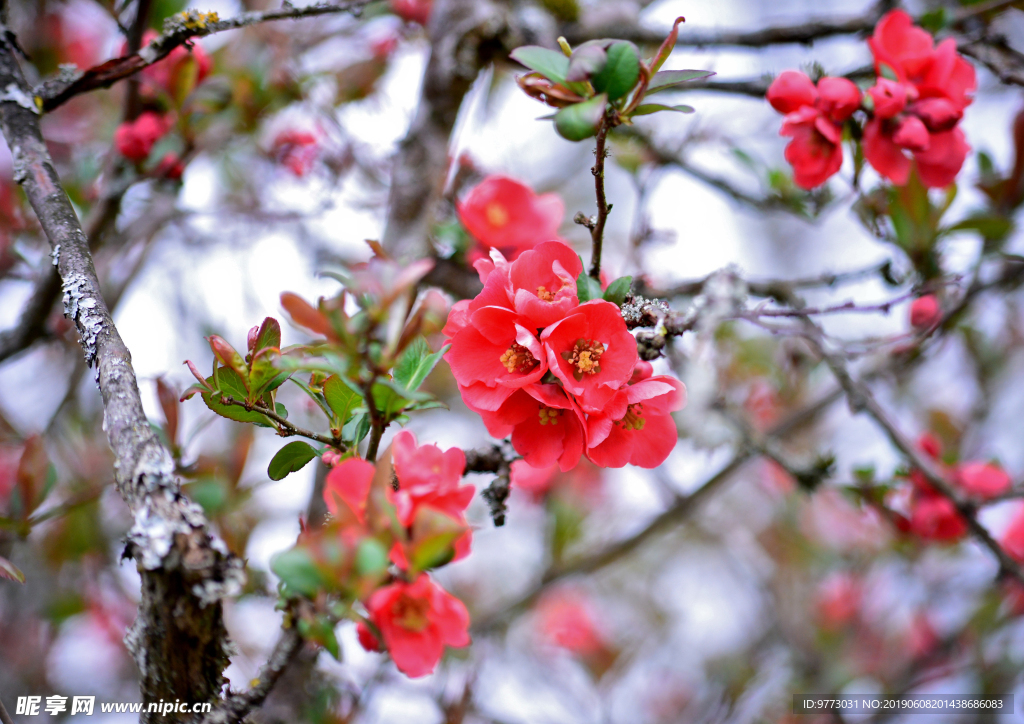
pixel 275 166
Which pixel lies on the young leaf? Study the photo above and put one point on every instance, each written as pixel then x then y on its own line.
pixel 585 62
pixel 263 375
pixel 416 363
pixel 620 73
pixel 581 121
pixel 371 557
pixel 667 46
pixel 356 428
pixel 269 335
pixel 10 571
pixel 228 357
pixel 320 631
pixel 649 108
pixel 587 288
pixel 617 290
pixel 667 78
pixel 341 398
pixel 290 458
pixel 551 64
pixel 297 569
pixel 231 386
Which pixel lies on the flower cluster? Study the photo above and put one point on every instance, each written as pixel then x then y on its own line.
pixel 913 110
pixel 135 139
pixel 504 214
pixel 934 516
pixel 411 616
pixel 562 378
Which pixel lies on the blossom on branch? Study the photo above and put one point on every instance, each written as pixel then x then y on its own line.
pixel 503 213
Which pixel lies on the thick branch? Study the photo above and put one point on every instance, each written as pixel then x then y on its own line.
pixel 178 30
pixel 178 638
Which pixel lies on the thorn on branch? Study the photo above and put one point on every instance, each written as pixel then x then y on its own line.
pixel 583 220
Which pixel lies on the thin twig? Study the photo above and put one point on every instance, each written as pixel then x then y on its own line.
pixel 861 399
pixel 286 428
pixel 178 31
pixel 603 207
pixel 235 708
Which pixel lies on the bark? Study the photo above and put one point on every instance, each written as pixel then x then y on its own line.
pixel 464 36
pixel 178 638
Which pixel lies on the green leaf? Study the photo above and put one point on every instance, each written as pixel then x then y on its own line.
pixel 617 290
pixel 649 108
pixel 299 572
pixel 551 64
pixel 989 226
pixel 10 571
pixel 585 62
pixel 587 288
pixel 290 458
pixel 341 398
pixel 581 121
pixel 263 375
pixel 231 386
pixel 229 357
pixel 667 78
pixel 416 363
pixel 356 428
pixel 320 630
pixel 620 73
pixel 269 335
pixel 371 557
pixel 433 536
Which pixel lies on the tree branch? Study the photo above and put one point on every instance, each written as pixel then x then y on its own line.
pixel 235 708
pixel 603 207
pixel 675 514
pixel 286 428
pixel 861 399
pixel 178 30
pixel 464 35
pixel 178 638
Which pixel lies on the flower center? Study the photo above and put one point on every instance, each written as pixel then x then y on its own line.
pixel 496 214
pixel 518 358
pixel 549 415
pixel 543 293
pixel 633 419
pixel 411 613
pixel 585 356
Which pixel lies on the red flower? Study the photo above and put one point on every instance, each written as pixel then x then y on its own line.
pixel 135 139
pixel 413 11
pixel 543 282
pixel 934 517
pixel 297 150
pixel 636 426
pixel 428 477
pixel 545 424
pixel 592 352
pixel 349 483
pixel 564 619
pixel 814 120
pixel 1013 537
pixel 918 100
pixel 925 312
pixel 536 481
pixel 982 480
pixel 504 213
pixel 838 600
pixel 496 353
pixel 170 166
pixel 416 621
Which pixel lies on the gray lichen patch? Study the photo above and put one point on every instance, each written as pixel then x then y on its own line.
pixel 13 94
pixel 55 255
pixel 81 309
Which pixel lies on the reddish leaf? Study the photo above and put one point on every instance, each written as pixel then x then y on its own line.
pixel 10 571
pixel 269 335
pixel 168 397
pixel 228 357
pixel 305 315
pixel 32 473
pixel 666 47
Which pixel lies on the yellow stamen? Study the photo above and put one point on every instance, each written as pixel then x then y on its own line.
pixel 633 419
pixel 585 356
pixel 549 415
pixel 496 214
pixel 518 358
